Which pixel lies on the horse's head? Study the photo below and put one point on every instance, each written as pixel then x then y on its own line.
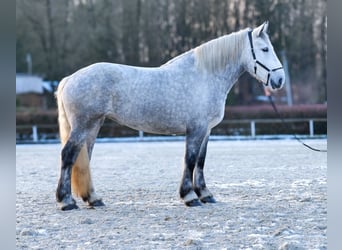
pixel 262 62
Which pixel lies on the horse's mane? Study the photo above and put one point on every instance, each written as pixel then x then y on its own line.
pixel 214 55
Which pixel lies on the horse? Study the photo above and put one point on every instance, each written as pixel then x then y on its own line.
pixel 186 95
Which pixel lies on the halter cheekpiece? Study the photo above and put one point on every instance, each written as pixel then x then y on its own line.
pixel 258 62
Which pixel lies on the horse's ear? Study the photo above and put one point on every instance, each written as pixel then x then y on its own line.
pixel 265 27
pixel 262 28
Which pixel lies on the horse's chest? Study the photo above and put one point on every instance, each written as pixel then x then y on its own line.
pixel 215 120
pixel 216 113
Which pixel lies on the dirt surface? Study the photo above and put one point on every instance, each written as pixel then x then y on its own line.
pixel 270 195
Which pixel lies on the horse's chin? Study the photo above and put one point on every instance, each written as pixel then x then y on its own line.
pixel 271 89
pixel 268 88
pixel 266 85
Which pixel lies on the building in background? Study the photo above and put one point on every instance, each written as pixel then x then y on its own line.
pixel 32 91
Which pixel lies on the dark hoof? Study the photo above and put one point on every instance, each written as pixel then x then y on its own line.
pixel 193 203
pixel 69 207
pixel 96 203
pixel 208 199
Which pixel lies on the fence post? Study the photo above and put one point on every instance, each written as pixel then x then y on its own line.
pixel 311 127
pixel 35 133
pixel 141 134
pixel 253 128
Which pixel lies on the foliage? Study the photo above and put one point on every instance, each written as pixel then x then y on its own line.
pixel 63 36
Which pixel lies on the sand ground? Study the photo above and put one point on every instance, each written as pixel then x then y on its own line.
pixel 270 195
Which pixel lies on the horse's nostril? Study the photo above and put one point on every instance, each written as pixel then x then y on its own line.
pixel 280 82
pixel 275 84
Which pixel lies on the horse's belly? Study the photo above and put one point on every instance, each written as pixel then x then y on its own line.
pixel 152 125
pixel 163 130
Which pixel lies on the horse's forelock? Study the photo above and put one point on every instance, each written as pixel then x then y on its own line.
pixel 214 55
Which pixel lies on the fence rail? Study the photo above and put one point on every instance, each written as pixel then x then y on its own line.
pixel 253 123
pixel 49 132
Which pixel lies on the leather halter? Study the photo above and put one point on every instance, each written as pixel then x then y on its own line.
pixel 258 62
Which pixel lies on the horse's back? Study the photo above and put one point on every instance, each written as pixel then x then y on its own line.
pixel 161 100
pixel 138 97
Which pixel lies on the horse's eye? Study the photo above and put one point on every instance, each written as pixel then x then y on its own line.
pixel 265 49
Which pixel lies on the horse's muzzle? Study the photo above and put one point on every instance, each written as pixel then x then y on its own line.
pixel 277 84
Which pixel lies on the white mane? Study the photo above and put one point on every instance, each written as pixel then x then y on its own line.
pixel 214 55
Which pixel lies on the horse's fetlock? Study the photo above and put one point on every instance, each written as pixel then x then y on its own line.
pixel 61 193
pixel 190 196
pixel 67 203
pixel 184 190
pixel 197 191
pixel 96 203
pixel 206 196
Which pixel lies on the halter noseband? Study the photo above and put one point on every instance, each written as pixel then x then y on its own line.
pixel 258 62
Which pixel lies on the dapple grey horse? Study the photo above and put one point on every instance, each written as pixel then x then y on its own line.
pixel 187 95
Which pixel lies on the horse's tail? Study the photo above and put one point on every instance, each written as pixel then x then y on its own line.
pixel 64 125
pixel 80 177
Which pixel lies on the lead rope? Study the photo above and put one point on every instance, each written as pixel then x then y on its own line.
pixel 250 38
pixel 290 128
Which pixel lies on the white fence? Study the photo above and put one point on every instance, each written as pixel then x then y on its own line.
pixel 32 134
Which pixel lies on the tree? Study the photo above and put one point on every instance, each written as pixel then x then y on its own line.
pixel 63 36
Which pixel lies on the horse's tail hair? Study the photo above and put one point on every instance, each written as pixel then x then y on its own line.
pixel 64 125
pixel 80 177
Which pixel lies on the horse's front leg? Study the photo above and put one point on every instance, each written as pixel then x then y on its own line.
pixel 194 140
pixel 199 183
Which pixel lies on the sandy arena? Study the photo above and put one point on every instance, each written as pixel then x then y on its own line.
pixel 270 194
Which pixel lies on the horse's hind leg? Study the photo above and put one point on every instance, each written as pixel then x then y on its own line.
pixel 69 155
pixel 199 183
pixel 81 181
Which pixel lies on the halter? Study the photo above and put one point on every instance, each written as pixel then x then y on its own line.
pixel 258 62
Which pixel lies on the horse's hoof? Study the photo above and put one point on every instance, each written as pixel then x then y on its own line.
pixel 96 203
pixel 193 203
pixel 208 199
pixel 69 207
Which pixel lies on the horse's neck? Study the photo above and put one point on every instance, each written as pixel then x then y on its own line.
pixel 224 79
pixel 231 74
pixel 222 58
